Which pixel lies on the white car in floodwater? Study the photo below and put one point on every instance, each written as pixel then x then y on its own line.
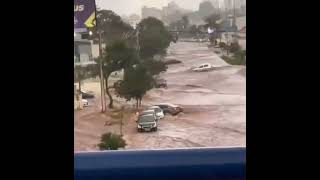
pixel 158 111
pixel 203 67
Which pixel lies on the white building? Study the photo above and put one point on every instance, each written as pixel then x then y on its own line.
pixel 228 4
pixel 154 3
pixel 83 52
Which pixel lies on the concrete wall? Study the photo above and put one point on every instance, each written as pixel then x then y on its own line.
pixel 82 51
pixel 241 22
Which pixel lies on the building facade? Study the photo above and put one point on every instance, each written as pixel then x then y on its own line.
pixel 151 12
pixel 228 4
pixel 82 52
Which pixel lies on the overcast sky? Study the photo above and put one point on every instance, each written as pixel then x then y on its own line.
pixel 127 7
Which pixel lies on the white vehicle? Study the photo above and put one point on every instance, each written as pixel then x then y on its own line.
pixel 158 111
pixel 85 103
pixel 203 67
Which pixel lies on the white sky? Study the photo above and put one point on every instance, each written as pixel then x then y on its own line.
pixel 127 7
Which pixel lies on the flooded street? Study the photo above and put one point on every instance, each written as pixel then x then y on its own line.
pixel 214 106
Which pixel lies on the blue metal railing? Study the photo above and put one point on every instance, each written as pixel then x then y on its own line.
pixel 195 163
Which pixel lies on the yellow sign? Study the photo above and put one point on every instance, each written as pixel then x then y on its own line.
pixel 91 21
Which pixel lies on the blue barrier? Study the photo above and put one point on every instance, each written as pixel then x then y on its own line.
pixel 195 163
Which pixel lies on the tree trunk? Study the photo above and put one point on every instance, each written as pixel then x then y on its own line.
pixel 140 102
pixel 80 85
pixel 107 91
pixel 137 103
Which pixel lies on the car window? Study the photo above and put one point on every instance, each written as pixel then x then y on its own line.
pixel 146 119
pixel 144 113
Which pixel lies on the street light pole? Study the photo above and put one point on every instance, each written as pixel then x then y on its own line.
pixel 103 107
pixel 103 99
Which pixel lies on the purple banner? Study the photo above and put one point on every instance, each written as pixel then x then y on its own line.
pixel 84 15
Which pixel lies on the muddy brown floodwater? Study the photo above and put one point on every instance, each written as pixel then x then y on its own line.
pixel 214 106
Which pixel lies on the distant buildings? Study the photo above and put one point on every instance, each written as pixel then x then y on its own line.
pixel 168 13
pixel 151 12
pixel 154 3
pixel 215 3
pixel 170 9
pixel 133 19
pixel 228 4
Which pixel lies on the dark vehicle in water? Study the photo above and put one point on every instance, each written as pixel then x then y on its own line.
pixel 87 95
pixel 170 108
pixel 148 112
pixel 147 123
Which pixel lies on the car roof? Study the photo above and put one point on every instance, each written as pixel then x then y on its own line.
pixel 168 104
pixel 154 107
pixel 204 64
pixel 148 110
pixel 147 115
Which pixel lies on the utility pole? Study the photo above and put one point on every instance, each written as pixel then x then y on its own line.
pixel 138 43
pixel 234 12
pixel 103 95
pixel 103 104
pixel 235 20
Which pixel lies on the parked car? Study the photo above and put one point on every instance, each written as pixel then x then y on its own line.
pixel 148 112
pixel 158 111
pixel 85 103
pixel 147 123
pixel 203 67
pixel 170 108
pixel 87 95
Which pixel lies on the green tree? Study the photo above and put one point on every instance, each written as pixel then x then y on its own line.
pixel 112 26
pixel 212 20
pixel 185 22
pixel 193 30
pixel 136 83
pixel 234 47
pixel 154 38
pixel 154 67
pixel 111 141
pixel 205 8
pixel 239 58
pixel 117 56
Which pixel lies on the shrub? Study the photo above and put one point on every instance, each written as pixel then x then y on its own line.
pixel 110 141
pixel 234 47
pixel 222 45
pixel 237 59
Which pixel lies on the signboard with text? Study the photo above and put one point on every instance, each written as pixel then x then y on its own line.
pixel 84 15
